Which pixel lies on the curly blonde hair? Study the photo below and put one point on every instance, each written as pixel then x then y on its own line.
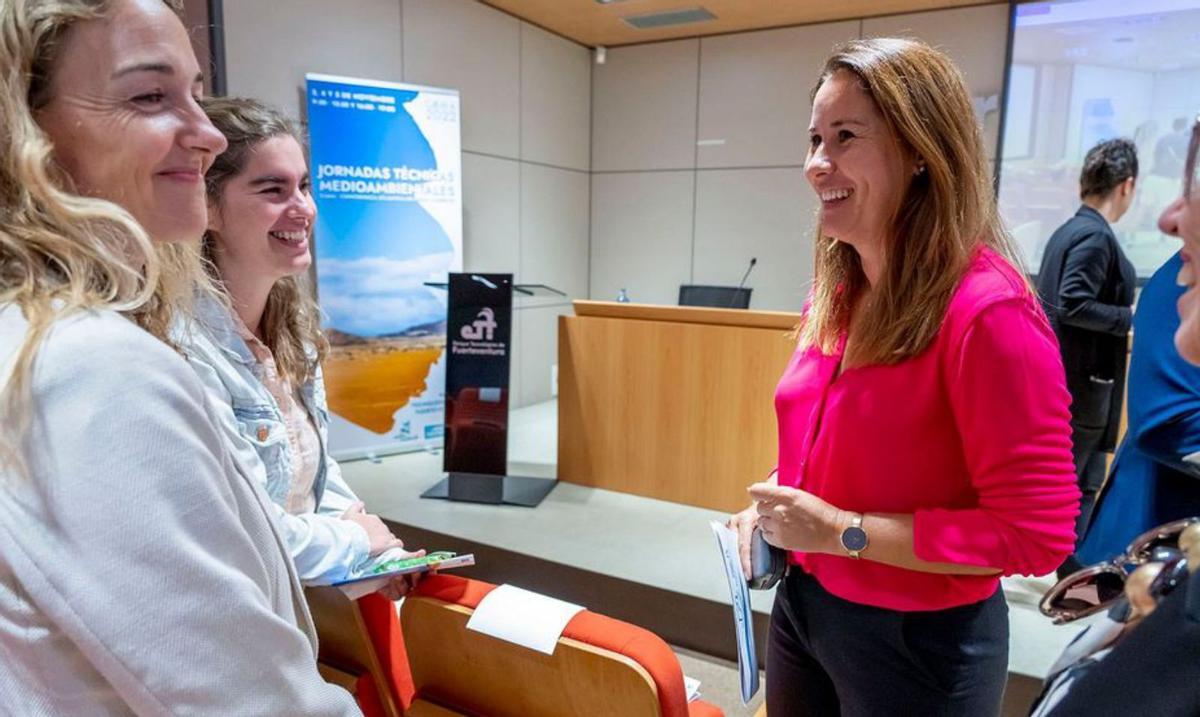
pixel 60 252
pixel 291 323
pixel 946 213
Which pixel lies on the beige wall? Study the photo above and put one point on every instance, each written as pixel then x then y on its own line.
pixel 526 128
pixel 674 162
pixel 698 149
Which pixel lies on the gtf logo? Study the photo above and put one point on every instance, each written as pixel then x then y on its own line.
pixel 482 328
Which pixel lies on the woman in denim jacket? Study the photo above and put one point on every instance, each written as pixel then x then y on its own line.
pixel 260 356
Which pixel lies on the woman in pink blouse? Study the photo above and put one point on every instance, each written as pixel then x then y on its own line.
pixel 924 439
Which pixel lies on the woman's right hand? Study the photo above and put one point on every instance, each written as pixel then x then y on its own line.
pixel 743 524
pixel 379 535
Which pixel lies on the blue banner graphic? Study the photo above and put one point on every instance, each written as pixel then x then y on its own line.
pixel 387 178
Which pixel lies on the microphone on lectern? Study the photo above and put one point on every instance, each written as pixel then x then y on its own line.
pixel 738 291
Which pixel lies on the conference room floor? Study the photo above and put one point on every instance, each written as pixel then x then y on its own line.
pixel 637 539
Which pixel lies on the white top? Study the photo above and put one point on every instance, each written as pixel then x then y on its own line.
pixel 302 437
pixel 324 547
pixel 140 570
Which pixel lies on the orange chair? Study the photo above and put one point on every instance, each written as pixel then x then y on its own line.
pixel 362 649
pixel 601 666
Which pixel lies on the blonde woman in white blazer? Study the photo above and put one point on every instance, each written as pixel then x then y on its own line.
pixel 140 569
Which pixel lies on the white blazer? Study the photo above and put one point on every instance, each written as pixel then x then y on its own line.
pixel 140 569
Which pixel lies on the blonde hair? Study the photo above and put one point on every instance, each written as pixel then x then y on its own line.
pixel 947 211
pixel 61 253
pixel 291 323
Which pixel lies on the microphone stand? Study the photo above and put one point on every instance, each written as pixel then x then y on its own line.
pixel 738 290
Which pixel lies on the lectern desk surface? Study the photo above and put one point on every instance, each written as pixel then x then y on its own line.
pixel 784 320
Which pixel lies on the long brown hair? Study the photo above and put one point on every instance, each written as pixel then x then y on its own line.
pixel 946 213
pixel 291 323
pixel 61 252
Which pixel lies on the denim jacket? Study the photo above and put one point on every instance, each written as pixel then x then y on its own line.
pixel 325 547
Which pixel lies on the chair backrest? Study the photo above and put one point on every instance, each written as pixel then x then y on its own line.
pixel 600 665
pixel 362 639
pixel 718 297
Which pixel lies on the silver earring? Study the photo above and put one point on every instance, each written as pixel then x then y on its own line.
pixel 920 169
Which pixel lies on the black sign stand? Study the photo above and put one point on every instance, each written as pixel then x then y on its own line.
pixel 479 346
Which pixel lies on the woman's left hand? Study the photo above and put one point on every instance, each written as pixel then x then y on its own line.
pixel 400 586
pixel 794 519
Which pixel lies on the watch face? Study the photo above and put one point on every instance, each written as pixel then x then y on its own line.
pixel 854 539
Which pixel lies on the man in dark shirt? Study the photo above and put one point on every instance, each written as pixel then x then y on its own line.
pixel 1086 285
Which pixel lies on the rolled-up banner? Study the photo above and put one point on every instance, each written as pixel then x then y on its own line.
pixel 386 175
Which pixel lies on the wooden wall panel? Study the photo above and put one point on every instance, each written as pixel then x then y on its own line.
pixel 591 23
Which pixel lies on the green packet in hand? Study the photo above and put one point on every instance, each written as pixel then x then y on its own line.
pixel 400 565
pixel 376 574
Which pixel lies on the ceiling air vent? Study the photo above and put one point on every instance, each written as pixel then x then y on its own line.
pixel 668 18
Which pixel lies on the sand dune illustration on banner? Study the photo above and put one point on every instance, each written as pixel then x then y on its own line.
pixel 370 376
pixel 386 168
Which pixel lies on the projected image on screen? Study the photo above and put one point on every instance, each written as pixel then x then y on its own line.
pixel 1088 70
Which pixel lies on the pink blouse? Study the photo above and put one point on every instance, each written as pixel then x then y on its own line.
pixel 971 436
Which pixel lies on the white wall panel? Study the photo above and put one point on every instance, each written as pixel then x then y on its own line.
pixel 516 388
pixel 974 37
pixel 556 100
pixel 754 107
pixel 763 213
pixel 554 230
pixel 644 107
pixel 268 49
pixel 491 214
pixel 468 46
pixel 539 350
pixel 641 235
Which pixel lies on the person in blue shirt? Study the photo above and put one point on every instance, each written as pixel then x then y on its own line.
pixel 1150 482
pixel 1155 668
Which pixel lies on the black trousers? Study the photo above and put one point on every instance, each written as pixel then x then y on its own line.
pixel 1090 464
pixel 827 656
pixel 1090 468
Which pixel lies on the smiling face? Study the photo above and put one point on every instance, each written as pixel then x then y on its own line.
pixel 124 119
pixel 264 216
pixel 855 164
pixel 1182 219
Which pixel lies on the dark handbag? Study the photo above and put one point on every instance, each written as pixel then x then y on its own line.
pixel 767 563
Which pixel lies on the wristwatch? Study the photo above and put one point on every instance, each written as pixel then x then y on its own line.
pixel 854 538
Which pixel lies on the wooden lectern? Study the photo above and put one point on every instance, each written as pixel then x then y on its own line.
pixel 674 403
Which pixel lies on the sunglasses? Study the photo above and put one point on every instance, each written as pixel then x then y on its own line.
pixel 1189 166
pixel 1096 588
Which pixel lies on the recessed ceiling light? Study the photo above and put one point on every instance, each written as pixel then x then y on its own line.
pixel 668 18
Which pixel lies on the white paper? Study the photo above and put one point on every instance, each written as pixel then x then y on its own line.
pixel 692 687
pixel 523 617
pixel 357 590
pixel 743 624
